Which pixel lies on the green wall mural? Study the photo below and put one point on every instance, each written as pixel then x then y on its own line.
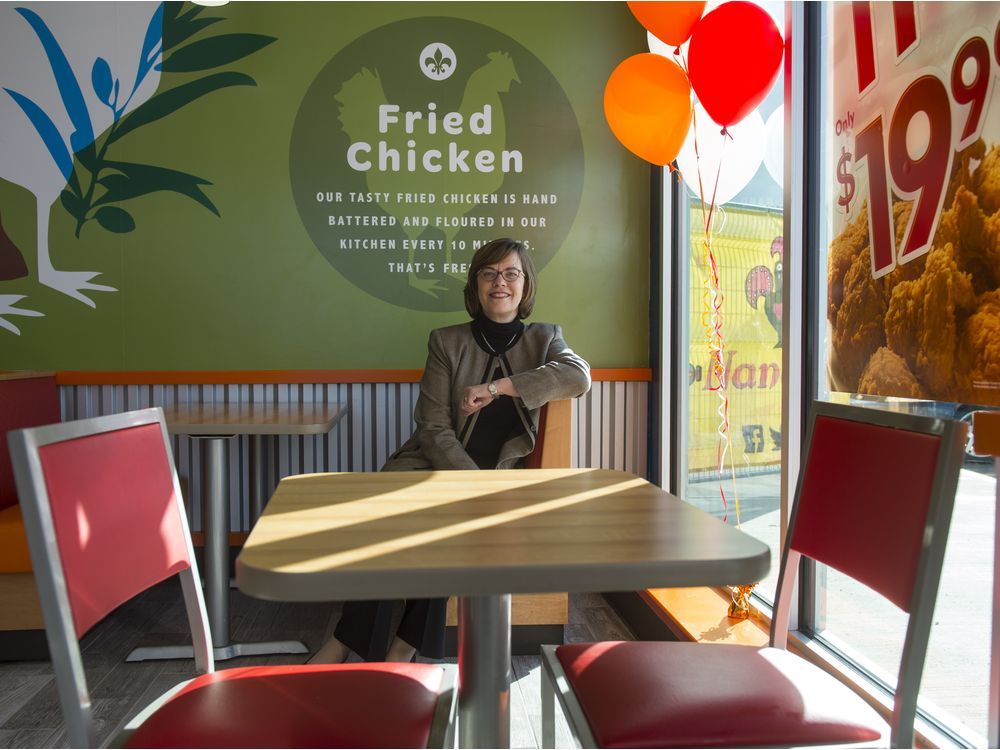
pixel 447 144
pixel 351 157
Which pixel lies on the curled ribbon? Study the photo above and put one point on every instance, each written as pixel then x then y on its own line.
pixel 711 321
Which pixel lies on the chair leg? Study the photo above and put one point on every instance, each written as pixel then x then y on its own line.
pixel 443 733
pixel 548 710
pixel 555 686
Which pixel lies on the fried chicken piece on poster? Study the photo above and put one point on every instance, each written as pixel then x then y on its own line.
pixel 923 320
pixel 887 372
pixel 858 331
pixel 978 371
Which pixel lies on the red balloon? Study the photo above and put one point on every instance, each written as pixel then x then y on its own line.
pixel 734 59
pixel 670 22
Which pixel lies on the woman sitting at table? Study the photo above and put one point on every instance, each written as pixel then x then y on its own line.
pixel 483 386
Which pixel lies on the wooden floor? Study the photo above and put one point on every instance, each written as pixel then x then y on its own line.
pixel 29 708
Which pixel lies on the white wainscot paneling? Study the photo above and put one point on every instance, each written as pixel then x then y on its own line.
pixel 609 429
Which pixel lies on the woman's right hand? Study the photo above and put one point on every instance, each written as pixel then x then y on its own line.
pixel 475 398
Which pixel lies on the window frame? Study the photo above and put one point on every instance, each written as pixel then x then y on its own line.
pixel 804 230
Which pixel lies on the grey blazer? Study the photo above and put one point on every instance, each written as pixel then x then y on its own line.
pixel 541 366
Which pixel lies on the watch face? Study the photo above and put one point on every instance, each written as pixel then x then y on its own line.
pixel 491 387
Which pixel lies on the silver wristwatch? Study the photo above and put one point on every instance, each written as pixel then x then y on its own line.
pixel 492 388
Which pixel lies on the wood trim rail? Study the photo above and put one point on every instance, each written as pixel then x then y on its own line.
pixel 699 614
pixel 244 377
pixel 24 374
pixel 232 377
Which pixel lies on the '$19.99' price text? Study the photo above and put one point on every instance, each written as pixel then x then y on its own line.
pixel 923 179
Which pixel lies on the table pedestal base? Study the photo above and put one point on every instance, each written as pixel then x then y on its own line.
pixel 266 648
pixel 233 650
pixel 215 503
pixel 484 666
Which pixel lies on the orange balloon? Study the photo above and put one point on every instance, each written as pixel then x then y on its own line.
pixel 670 22
pixel 647 103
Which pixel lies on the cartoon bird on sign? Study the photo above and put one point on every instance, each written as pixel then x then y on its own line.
pixel 74 79
pixel 762 284
pixel 360 97
pixel 47 117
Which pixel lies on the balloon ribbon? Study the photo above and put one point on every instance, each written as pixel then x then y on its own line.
pixel 712 323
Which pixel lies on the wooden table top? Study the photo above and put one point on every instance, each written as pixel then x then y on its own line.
pixel 374 535
pixel 252 419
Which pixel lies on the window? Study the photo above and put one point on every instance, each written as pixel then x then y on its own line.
pixel 748 250
pixel 898 134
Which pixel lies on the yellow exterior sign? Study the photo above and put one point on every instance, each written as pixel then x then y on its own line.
pixel 749 249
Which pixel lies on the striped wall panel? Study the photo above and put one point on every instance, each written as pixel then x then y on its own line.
pixel 609 429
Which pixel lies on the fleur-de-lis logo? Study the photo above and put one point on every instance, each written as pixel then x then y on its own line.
pixel 437 61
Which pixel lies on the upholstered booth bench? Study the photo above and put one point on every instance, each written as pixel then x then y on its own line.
pixel 606 428
pixel 27 399
pixel 34 400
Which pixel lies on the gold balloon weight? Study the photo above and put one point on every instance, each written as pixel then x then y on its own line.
pixel 740 608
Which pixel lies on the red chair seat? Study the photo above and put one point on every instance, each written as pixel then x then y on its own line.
pixel 695 695
pixel 299 706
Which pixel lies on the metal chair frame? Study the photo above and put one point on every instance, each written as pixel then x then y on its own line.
pixel 924 591
pixel 64 648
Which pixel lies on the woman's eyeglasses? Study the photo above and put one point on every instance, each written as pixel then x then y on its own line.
pixel 510 275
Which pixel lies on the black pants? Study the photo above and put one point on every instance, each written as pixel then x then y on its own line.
pixel 364 627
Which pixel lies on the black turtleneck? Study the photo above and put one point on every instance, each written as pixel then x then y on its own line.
pixel 497 422
pixel 497 337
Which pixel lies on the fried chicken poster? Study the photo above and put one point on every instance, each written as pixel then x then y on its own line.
pixel 913 296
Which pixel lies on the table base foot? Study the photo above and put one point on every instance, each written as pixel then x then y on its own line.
pixel 222 653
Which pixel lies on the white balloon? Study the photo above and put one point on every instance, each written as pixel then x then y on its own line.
pixel 776 10
pixel 774 145
pixel 658 47
pixel 740 156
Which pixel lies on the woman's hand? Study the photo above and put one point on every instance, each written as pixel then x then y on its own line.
pixel 478 396
pixel 474 399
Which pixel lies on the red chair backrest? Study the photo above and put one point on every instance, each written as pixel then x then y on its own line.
pixel 116 518
pixel 863 504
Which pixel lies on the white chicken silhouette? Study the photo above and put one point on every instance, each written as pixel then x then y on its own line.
pixel 362 94
pixel 116 32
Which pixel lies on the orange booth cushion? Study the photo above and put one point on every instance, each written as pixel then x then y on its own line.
pixel 14 557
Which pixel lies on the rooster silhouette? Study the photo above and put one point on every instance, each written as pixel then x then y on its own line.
pixel 76 77
pixel 761 283
pixel 360 97
pixel 28 158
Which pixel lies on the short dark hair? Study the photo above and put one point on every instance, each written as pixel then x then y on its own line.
pixel 490 254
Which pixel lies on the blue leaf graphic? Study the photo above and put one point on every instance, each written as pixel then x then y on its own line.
pixel 150 45
pixel 69 89
pixel 100 76
pixel 48 132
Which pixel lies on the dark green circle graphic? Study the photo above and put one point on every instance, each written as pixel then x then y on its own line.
pixel 423 139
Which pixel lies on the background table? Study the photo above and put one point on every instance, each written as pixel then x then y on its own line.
pixel 483 535
pixel 212 425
